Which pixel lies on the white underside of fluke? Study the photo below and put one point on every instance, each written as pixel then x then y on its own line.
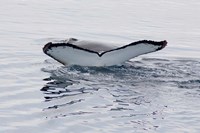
pixel 85 56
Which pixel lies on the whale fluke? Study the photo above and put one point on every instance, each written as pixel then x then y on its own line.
pixel 88 53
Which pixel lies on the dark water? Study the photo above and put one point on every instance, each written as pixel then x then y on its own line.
pixel 158 92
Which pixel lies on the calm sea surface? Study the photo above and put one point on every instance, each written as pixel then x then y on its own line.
pixel 158 92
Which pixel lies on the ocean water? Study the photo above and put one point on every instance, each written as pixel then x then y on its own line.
pixel 157 92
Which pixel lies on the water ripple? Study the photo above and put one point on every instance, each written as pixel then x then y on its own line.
pixel 134 90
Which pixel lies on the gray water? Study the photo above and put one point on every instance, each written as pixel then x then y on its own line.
pixel 157 92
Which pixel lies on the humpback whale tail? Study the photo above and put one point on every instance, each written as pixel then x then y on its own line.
pixel 87 53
